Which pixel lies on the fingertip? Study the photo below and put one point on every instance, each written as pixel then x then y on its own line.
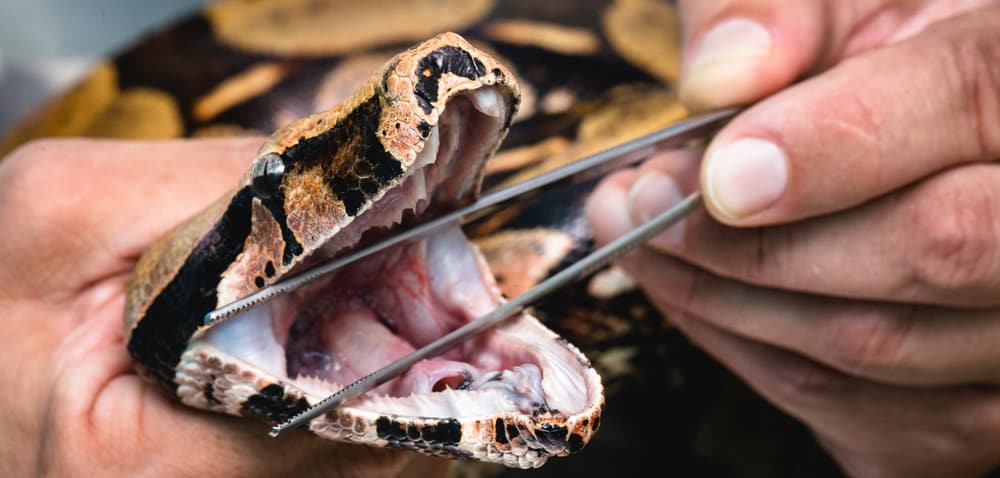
pixel 652 194
pixel 747 51
pixel 722 68
pixel 742 178
pixel 606 208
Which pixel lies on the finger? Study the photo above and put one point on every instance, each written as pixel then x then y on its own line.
pixel 897 431
pixel 741 50
pixel 737 51
pixel 933 243
pixel 889 343
pixel 865 127
pixel 73 206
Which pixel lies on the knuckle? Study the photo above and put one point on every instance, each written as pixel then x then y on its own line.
pixel 802 384
pixel 951 238
pixel 974 60
pixel 872 343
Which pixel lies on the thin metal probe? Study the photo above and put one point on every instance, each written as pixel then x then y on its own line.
pixel 675 135
pixel 578 270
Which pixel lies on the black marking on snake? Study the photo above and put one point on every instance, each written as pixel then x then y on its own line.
pixel 272 405
pixel 276 205
pixel 209 392
pixel 350 155
pixel 382 427
pixel 161 335
pixel 447 59
pixel 501 436
pixel 269 269
pixel 424 128
pixel 258 281
pixel 449 431
pixel 551 435
pixel 575 443
pixel 428 432
pixel 512 432
pixel 389 429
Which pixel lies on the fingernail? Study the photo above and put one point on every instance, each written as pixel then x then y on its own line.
pixel 745 177
pixel 651 195
pixel 725 61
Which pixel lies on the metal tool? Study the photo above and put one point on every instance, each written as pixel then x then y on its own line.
pixel 583 169
pixel 625 154
pixel 578 270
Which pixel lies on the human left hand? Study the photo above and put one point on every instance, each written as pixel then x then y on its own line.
pixel 75 215
pixel 849 266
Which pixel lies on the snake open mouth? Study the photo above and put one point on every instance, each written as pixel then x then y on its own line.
pixel 364 316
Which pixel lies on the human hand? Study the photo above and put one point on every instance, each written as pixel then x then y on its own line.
pixel 849 269
pixel 74 217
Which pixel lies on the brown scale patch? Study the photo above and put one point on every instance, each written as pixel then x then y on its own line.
pixel 554 37
pixel 520 259
pixel 252 82
pixel 331 27
pixel 647 34
pixel 312 210
pixel 138 113
pixel 625 113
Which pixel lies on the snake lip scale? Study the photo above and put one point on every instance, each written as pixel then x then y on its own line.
pixel 413 140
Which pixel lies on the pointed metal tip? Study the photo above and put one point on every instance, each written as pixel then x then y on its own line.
pixel 274 431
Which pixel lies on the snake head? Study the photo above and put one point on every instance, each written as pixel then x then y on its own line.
pixel 412 142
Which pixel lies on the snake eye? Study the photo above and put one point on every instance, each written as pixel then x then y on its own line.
pixel 266 174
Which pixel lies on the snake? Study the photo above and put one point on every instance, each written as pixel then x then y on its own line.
pixel 413 140
pixel 591 74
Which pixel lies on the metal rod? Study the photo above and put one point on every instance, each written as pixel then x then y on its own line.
pixel 578 270
pixel 675 135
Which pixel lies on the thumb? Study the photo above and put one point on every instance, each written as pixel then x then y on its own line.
pixel 739 51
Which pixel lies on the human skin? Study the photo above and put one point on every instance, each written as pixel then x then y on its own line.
pixel 848 264
pixel 74 217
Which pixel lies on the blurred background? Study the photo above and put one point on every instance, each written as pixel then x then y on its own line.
pixel 48 45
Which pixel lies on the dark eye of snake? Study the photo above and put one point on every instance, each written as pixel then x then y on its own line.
pixel 267 171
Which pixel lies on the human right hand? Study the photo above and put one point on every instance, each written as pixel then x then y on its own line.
pixel 849 266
